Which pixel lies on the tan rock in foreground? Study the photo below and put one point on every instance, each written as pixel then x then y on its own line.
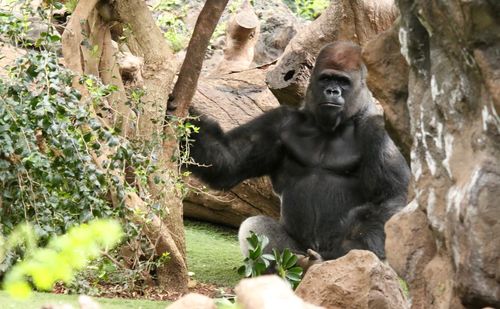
pixel 193 301
pixel 357 280
pixel 268 292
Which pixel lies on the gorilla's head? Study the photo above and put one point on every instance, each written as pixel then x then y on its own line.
pixel 337 89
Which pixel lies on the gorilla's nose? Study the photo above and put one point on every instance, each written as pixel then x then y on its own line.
pixel 333 92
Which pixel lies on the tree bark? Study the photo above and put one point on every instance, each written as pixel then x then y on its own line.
pixel 233 99
pixel 159 70
pixel 241 36
pixel 158 74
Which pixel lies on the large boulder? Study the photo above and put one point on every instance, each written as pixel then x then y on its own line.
pixel 454 81
pixel 388 81
pixel 356 280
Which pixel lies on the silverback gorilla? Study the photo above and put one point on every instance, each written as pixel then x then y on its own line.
pixel 338 174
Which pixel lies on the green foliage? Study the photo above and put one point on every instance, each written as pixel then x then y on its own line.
pixel 15 28
pixel 62 256
pixel 47 174
pixel 171 20
pixel 404 287
pixel 71 5
pixel 256 262
pixel 308 9
pixel 49 139
pixel 285 263
pixel 286 267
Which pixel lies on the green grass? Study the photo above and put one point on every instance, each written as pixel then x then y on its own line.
pixel 39 299
pixel 213 253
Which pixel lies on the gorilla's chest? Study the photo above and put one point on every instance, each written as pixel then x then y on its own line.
pixel 338 152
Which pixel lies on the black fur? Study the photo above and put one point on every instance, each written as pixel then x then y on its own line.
pixel 338 174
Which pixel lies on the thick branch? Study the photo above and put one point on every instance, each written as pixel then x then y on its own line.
pixel 190 71
pixel 72 38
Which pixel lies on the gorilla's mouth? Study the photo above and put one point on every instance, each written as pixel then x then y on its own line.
pixel 332 104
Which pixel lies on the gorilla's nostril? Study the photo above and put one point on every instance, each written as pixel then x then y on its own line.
pixel 333 92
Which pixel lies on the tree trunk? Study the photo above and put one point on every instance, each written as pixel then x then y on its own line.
pixel 158 74
pixel 241 36
pixel 94 19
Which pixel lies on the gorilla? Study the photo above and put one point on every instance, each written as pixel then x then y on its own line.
pixel 338 174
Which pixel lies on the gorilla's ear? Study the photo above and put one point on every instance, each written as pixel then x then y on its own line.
pixel 364 72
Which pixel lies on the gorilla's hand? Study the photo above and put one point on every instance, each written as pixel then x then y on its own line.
pixel 306 261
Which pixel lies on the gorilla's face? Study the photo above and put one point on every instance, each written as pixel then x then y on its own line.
pixel 336 82
pixel 331 90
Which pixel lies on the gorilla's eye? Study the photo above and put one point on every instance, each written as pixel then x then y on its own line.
pixel 326 78
pixel 343 81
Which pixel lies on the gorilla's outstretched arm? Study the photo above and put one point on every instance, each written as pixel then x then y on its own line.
pixel 250 150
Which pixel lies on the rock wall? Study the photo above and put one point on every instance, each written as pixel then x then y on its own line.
pixel 446 244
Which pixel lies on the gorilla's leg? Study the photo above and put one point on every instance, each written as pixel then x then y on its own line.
pixel 278 237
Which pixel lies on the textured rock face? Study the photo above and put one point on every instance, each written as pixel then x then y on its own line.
pixel 454 96
pixel 268 292
pixel 278 27
pixel 356 280
pixel 388 81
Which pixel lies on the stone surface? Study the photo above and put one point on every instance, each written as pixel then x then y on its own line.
pixel 193 301
pixel 388 81
pixel 409 245
pixel 452 49
pixel 268 292
pixel 278 26
pixel 356 280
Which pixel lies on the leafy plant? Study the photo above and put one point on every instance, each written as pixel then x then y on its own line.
pixel 257 262
pixel 61 258
pixel 49 140
pixel 286 267
pixel 308 9
pixel 171 20
pixel 285 263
